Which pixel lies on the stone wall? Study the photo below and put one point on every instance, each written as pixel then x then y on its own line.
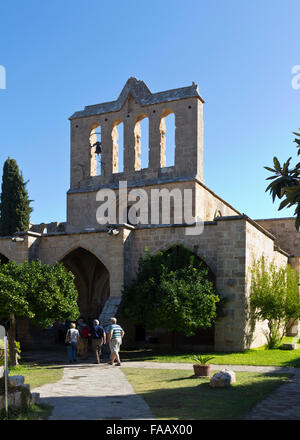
pixel 82 206
pixel 206 205
pixel 287 237
pixel 227 246
pixel 130 108
pixel 213 205
pixel 15 250
pixel 108 249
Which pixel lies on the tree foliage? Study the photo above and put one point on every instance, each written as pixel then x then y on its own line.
pixel 172 290
pixel 275 297
pixel 44 293
pixel 14 203
pixel 286 183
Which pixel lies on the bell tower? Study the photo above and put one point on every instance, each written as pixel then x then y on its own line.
pixel 99 147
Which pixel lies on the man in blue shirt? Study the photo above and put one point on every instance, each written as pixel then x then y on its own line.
pixel 98 339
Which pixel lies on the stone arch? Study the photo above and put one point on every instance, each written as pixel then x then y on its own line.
pixel 91 279
pixel 167 138
pixel 217 213
pixel 203 337
pixel 200 253
pixel 95 153
pixel 67 250
pixel 43 229
pixel 141 153
pixel 117 148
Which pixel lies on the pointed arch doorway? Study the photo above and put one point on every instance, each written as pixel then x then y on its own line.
pixel 91 280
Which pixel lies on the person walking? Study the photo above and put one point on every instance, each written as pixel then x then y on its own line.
pixel 72 339
pixel 84 332
pixel 98 339
pixel 115 333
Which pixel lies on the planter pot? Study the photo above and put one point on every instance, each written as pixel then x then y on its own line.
pixel 202 370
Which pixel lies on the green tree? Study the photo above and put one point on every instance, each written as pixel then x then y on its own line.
pixel 14 203
pixel 286 183
pixel 43 293
pixel 172 290
pixel 274 297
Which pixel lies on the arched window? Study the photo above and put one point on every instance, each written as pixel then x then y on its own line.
pixel 95 155
pixel 218 213
pixel 141 134
pixel 118 147
pixel 167 132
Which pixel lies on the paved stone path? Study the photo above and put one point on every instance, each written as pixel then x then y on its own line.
pixel 283 404
pixel 95 392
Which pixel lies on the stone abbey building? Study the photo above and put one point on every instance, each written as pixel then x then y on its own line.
pixel 104 258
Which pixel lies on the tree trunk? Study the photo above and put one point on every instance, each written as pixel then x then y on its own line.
pixel 13 354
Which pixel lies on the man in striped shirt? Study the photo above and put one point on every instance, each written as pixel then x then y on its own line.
pixel 115 334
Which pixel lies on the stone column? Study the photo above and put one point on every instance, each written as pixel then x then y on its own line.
pixel 107 151
pixel 129 146
pixel 156 161
pixel 80 152
pixel 189 138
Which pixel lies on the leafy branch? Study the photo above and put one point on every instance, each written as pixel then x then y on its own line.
pixel 286 183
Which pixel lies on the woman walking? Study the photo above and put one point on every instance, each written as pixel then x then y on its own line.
pixel 72 339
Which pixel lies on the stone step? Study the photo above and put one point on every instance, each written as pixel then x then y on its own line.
pixel 110 309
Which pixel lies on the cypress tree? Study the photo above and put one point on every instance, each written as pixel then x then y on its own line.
pixel 14 203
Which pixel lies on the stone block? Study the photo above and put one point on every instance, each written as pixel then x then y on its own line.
pixel 222 379
pixel 289 346
pixel 16 398
pixel 35 397
pixel 16 381
pixel 26 386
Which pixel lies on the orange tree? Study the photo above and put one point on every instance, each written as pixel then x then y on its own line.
pixel 41 292
pixel 172 290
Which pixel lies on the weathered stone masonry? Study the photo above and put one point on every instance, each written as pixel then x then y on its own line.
pixel 102 262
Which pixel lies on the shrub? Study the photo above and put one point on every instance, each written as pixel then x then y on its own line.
pixel 274 297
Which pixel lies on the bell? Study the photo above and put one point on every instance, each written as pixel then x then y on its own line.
pixel 98 147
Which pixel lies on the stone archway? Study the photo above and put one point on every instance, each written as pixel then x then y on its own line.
pixel 203 338
pixel 91 280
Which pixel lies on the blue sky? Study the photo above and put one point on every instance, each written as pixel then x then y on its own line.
pixel 62 55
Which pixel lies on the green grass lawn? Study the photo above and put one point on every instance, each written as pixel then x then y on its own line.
pixel 34 412
pixel 257 356
pixel 36 376
pixel 175 395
